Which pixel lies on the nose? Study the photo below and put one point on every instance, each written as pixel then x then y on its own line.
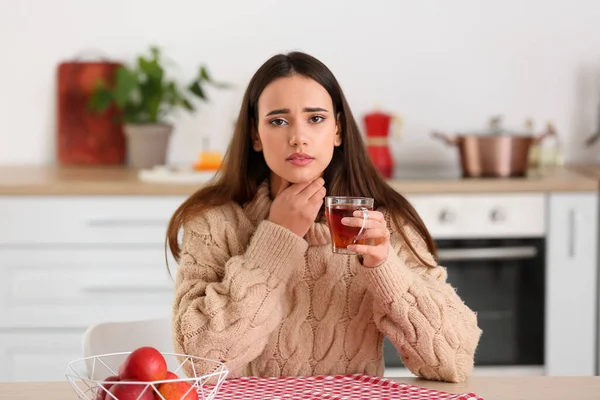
pixel 297 137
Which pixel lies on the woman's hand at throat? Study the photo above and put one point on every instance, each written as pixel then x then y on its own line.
pixel 295 206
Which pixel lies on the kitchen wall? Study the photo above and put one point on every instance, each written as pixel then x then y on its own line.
pixel 440 64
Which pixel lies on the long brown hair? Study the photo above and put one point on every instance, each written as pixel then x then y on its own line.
pixel 350 172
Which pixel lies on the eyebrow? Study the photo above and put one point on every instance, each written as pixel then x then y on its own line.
pixel 287 110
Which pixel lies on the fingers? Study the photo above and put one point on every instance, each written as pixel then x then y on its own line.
pixel 376 215
pixel 319 195
pixel 375 230
pixel 358 223
pixel 378 252
pixel 284 185
pixel 312 188
pixel 375 220
pixel 311 191
pixel 375 233
pixel 296 188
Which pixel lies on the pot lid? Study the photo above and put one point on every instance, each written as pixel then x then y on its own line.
pixel 496 127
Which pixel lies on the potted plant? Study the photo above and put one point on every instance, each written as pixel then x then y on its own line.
pixel 145 96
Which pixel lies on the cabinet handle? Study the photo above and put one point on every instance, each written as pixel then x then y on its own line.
pixel 488 253
pixel 133 223
pixel 497 215
pixel 446 216
pixel 104 289
pixel 572 230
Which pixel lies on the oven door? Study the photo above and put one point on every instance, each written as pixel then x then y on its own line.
pixel 503 281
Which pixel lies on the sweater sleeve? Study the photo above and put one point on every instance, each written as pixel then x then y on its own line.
pixel 227 306
pixel 435 333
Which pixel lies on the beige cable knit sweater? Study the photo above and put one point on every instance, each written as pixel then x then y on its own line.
pixel 268 302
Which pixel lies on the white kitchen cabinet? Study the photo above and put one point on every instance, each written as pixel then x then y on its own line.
pixel 68 262
pixel 571 284
pixel 73 288
pixel 90 220
pixel 498 215
pixel 38 355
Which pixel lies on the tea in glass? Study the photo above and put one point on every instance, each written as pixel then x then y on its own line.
pixel 338 207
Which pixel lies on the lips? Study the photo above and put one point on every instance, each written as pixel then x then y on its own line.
pixel 300 159
pixel 300 156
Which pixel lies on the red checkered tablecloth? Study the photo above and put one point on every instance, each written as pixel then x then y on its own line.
pixel 330 387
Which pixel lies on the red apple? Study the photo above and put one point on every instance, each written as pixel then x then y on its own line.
pixel 124 391
pixel 145 364
pixel 176 391
pixel 101 393
pixel 171 375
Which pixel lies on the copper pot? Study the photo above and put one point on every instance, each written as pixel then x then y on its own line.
pixel 495 154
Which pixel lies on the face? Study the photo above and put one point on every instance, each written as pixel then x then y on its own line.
pixel 297 129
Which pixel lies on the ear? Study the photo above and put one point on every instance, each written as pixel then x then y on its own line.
pixel 338 132
pixel 256 143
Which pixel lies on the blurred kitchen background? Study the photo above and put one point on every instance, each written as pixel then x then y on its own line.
pixel 516 221
pixel 442 65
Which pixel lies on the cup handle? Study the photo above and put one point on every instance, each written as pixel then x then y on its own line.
pixel 365 214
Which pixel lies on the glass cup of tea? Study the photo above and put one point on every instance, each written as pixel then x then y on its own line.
pixel 338 207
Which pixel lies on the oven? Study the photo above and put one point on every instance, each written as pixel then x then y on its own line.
pixel 493 248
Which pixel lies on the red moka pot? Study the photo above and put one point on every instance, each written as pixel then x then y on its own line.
pixel 377 129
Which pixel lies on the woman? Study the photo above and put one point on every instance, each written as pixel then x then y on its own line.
pixel 258 286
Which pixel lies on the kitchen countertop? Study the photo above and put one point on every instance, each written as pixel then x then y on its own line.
pixel 590 170
pixel 489 388
pixel 53 180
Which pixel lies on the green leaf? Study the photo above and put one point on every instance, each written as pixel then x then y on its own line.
pixel 126 82
pixel 220 85
pixel 154 107
pixel 185 103
pixel 155 51
pixel 170 94
pixel 101 98
pixel 151 68
pixel 145 94
pixel 131 112
pixel 196 89
pixel 204 74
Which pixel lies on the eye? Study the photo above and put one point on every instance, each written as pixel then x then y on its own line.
pixel 278 122
pixel 315 119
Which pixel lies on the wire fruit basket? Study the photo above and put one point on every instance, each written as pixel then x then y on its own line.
pixel 91 378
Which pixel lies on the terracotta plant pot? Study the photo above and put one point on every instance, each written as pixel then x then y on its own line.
pixel 147 144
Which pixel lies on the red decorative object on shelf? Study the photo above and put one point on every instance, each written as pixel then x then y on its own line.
pixel 377 129
pixel 85 137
